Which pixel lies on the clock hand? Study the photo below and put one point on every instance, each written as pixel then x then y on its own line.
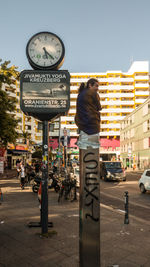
pixel 47 53
pixel 50 55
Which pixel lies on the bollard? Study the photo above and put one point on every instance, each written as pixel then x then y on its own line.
pixel 126 218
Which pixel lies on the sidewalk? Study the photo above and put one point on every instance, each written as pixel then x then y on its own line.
pixel 8 174
pixel 121 245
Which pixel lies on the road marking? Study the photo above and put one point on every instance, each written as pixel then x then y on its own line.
pixel 122 199
pixel 121 211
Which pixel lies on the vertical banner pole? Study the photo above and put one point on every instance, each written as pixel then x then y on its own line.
pixel 44 197
pixel 89 217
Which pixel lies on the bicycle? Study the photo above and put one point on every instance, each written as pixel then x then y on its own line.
pixel 67 189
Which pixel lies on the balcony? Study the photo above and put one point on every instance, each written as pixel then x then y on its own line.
pixel 117 79
pixel 116 95
pixel 79 80
pixel 72 111
pixel 117 102
pixel 141 85
pixel 143 78
pixel 74 87
pixel 140 101
pixel 142 93
pixel 110 125
pixel 67 118
pixel 73 103
pixel 116 87
pixel 71 126
pixel 112 118
pixel 116 110
pixel 110 133
pixel 73 95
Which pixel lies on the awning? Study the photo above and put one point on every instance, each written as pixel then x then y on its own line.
pixel 17 152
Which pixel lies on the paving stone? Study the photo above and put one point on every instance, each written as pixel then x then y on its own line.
pixel 123 245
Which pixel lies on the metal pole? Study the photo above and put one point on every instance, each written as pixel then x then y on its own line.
pixel 59 131
pixel 126 219
pixel 44 197
pixel 59 145
pixel 65 157
pixel 89 216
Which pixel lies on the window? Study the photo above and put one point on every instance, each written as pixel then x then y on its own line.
pixel 145 110
pixel 145 143
pixel 145 126
pixel 148 125
pixel 148 173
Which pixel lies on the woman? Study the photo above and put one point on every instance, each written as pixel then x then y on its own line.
pixel 88 106
pixel 88 109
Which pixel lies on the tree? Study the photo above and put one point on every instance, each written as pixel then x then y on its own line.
pixel 8 122
pixel 26 136
pixel 38 153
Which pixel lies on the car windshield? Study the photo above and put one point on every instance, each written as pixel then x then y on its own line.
pixel 112 165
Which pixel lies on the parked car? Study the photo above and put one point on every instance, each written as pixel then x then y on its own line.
pixel 144 181
pixel 112 170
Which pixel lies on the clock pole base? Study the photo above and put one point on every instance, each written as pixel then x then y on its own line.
pixel 38 224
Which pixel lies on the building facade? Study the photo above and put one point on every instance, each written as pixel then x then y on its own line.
pixel 120 93
pixel 135 137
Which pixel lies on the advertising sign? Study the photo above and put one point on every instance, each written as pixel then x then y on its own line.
pixel 65 137
pixel 44 94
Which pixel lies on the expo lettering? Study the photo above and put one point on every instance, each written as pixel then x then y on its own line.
pixel 91 194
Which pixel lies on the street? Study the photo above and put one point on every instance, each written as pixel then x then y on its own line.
pixel 121 245
pixel 112 195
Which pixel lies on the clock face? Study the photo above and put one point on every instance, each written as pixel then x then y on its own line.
pixel 45 50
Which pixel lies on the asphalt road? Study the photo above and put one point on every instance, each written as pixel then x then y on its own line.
pixel 112 196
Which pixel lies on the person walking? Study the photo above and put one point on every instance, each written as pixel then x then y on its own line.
pixel 18 168
pixel 22 175
pixel 88 109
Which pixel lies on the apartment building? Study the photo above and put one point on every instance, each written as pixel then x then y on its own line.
pixel 120 93
pixel 135 137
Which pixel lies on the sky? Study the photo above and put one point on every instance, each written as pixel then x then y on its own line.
pixel 99 35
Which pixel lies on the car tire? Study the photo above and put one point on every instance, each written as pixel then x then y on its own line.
pixel 142 188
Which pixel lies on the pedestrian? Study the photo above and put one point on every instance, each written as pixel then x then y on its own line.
pixel 18 168
pixel 22 175
pixel 88 109
pixel 127 164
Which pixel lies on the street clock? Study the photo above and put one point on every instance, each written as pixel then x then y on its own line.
pixel 45 51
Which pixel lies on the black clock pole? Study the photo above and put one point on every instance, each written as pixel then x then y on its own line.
pixel 44 196
pixel 40 103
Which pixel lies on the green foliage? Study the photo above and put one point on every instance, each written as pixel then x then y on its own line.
pixel 7 73
pixel 8 122
pixel 26 136
pixel 37 154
